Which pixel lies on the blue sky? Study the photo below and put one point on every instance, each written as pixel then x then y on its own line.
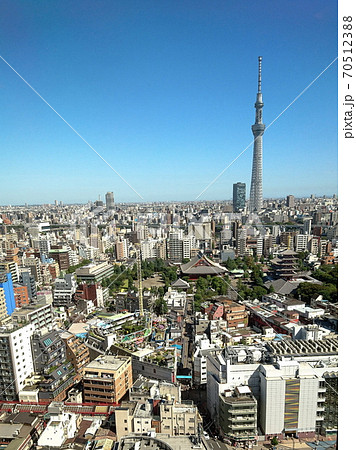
pixel 164 91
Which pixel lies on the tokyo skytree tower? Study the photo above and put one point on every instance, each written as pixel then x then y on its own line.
pixel 256 197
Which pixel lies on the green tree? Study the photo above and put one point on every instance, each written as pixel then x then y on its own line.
pixel 160 307
pixel 230 264
pixel 72 269
pixel 219 285
pixel 271 289
pixel 258 292
pixel 327 274
pixel 307 291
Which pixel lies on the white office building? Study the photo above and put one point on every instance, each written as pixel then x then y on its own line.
pixel 175 299
pixel 291 392
pixel 302 242
pixel 203 347
pixel 61 426
pixel 289 398
pixel 149 249
pixel 64 289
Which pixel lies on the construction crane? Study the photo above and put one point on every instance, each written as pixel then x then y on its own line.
pixel 139 277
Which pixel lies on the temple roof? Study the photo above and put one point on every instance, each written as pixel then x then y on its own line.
pixel 202 265
pixel 182 284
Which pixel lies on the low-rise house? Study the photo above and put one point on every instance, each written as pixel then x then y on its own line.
pixel 61 426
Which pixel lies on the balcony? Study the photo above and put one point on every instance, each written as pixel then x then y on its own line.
pixel 241 411
pixel 246 419
pixel 102 378
pixel 93 383
pixel 242 427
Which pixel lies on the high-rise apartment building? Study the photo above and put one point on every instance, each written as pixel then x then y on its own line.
pixel 121 249
pixel 175 245
pixel 50 362
pixel 290 201
pixel 34 264
pixel 16 361
pixel 238 413
pixel 26 279
pixel 61 256
pixel 148 249
pixel 43 245
pixel 64 290
pixel 256 196
pixel 307 226
pixel 39 314
pixel 109 200
pixel 77 352
pixel 48 350
pixel 302 242
pixel 21 295
pixel 12 254
pixel 3 311
pixel 12 267
pixel 238 196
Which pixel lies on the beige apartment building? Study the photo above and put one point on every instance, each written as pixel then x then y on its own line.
pixel 133 417
pixel 178 419
pixel 173 419
pixel 3 311
pixel 77 352
pixel 107 379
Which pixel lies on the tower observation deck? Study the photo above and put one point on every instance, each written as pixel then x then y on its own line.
pixel 256 196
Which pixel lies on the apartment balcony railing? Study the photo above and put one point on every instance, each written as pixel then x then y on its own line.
pixel 246 419
pixel 242 411
pixel 242 427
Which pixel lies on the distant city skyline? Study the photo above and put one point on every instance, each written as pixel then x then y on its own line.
pixel 166 202
pixel 161 95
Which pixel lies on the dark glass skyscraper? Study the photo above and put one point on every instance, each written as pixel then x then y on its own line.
pixel 109 199
pixel 256 196
pixel 238 196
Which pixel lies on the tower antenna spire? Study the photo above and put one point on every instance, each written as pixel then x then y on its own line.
pixel 256 194
pixel 259 73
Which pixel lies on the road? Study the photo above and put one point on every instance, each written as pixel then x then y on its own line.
pixel 217 445
pixel 186 337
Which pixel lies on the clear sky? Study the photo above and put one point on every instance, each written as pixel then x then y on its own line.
pixel 164 91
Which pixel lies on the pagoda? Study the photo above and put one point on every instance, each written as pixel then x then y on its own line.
pixel 285 266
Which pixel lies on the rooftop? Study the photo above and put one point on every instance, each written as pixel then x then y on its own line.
pixel 107 362
pixel 299 347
